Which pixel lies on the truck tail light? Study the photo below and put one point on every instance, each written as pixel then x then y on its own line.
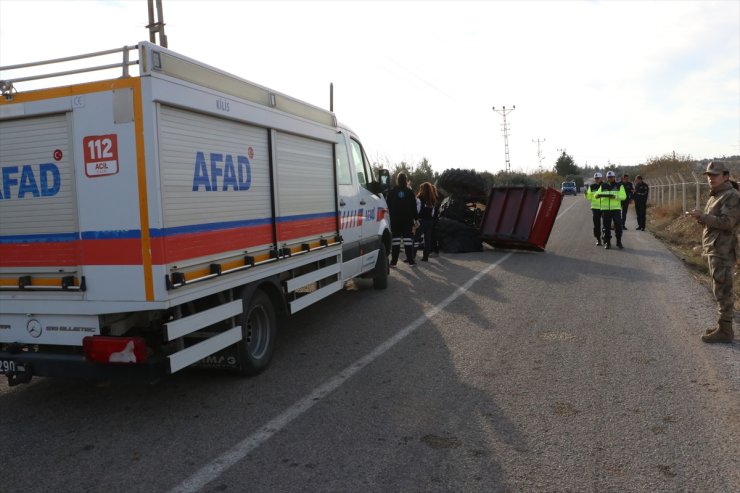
pixel 122 350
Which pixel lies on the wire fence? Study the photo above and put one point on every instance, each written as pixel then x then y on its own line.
pixel 691 192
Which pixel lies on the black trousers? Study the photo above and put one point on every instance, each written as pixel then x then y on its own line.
pixel 625 206
pixel 640 208
pixel 608 217
pixel 597 223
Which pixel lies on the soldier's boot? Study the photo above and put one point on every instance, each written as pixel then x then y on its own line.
pixel 598 241
pixel 721 333
pixel 607 244
pixel 619 243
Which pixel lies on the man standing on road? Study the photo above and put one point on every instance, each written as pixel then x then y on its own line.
pixel 640 196
pixel 610 195
pixel 627 184
pixel 590 194
pixel 720 219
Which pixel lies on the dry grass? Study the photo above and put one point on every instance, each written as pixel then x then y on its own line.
pixel 681 234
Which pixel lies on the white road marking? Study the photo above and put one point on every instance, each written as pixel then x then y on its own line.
pixel 566 210
pixel 218 466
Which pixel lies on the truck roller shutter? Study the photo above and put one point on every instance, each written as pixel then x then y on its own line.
pixel 215 181
pixel 305 180
pixel 38 211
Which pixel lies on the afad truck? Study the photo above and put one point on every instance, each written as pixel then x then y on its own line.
pixel 165 219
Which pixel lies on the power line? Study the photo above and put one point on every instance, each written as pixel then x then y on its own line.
pixel 503 112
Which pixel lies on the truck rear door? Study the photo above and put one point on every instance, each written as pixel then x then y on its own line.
pixel 39 234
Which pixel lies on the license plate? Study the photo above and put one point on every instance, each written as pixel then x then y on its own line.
pixel 10 366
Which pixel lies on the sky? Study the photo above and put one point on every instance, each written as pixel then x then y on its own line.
pixel 611 83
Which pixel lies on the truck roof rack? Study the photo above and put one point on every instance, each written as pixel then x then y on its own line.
pixel 8 86
pixel 155 60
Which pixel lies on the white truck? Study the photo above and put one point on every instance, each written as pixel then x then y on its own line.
pixel 155 221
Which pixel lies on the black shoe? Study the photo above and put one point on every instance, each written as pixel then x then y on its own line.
pixel 424 259
pixel 607 246
pixel 619 245
pixel 624 227
pixel 598 242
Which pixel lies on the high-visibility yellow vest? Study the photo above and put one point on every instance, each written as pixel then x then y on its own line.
pixel 591 195
pixel 610 196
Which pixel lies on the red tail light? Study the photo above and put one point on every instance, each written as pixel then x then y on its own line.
pixel 121 350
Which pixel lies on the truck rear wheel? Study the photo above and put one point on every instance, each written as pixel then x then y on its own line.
pixel 259 328
pixel 380 277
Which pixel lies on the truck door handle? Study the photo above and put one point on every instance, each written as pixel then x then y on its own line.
pixel 362 202
pixel 342 202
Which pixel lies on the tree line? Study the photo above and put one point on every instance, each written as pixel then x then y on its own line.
pixel 566 169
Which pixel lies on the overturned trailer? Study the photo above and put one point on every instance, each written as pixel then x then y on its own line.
pixel 520 217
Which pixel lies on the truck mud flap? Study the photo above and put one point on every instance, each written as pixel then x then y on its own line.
pixel 520 217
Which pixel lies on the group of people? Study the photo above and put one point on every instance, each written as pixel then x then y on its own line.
pixel 720 220
pixel 610 201
pixel 609 205
pixel 407 211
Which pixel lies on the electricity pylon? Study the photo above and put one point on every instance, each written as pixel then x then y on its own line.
pixel 503 112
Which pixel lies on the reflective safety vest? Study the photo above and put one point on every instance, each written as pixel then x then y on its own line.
pixel 591 195
pixel 610 196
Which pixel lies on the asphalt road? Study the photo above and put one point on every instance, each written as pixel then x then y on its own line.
pixel 577 369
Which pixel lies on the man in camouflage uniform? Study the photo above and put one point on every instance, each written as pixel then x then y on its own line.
pixel 721 219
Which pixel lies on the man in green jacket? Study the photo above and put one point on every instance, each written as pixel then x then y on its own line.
pixel 610 195
pixel 721 220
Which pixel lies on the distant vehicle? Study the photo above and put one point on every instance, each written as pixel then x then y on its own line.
pixel 569 187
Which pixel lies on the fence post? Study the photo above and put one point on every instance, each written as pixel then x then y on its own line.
pixel 698 191
pixel 683 191
pixel 660 190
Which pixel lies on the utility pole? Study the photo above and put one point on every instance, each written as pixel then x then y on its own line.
pixel 503 112
pixel 156 27
pixel 540 157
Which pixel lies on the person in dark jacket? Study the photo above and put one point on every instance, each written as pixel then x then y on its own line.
pixel 402 211
pixel 628 188
pixel 427 201
pixel 640 196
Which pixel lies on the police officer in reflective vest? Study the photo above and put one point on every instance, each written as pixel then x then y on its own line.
pixel 610 195
pixel 590 194
pixel 721 221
